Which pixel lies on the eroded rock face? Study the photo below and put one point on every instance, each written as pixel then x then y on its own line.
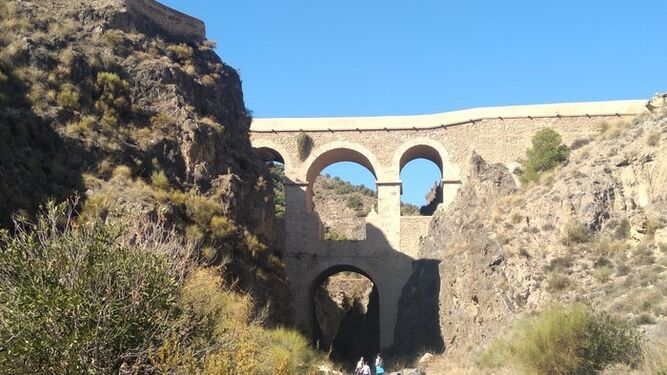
pixel 501 248
pixel 183 114
pixel 470 270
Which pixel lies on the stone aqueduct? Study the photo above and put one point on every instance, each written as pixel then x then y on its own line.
pixel 384 145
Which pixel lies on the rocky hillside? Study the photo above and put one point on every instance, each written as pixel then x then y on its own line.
pixel 592 230
pixel 125 103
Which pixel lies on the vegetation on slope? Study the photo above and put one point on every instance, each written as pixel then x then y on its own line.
pixel 592 229
pixel 133 123
pixel 143 129
pixel 95 297
pixel 547 152
pixel 566 340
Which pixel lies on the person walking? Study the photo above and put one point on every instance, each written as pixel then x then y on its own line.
pixel 360 366
pixel 366 369
pixel 379 365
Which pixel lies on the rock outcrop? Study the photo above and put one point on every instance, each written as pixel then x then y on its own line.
pixel 591 230
pixel 125 103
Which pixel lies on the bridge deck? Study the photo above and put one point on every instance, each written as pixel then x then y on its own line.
pixel 593 109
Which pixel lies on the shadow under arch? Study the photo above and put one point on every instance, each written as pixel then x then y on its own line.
pixel 365 330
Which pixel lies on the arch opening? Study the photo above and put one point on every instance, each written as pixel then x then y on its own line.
pixel 343 195
pixel 346 310
pixel 421 173
pixel 268 154
pixel 337 155
pixel 341 186
pixel 275 162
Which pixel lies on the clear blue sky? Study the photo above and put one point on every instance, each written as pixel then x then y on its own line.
pixel 389 57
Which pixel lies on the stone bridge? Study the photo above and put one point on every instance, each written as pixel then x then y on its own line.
pixel 384 145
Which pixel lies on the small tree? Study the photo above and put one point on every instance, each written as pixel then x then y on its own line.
pixel 547 152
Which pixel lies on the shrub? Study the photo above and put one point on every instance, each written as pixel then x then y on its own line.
pixel 289 350
pixel 212 122
pixel 611 131
pixel 644 319
pixel 575 232
pixel 201 209
pixel 566 340
pixel 253 244
pixel 560 263
pixel 80 298
pixel 546 153
pixel 622 231
pixel 159 180
pixel 642 254
pixel 83 127
pixel 304 145
pixel 652 226
pixel 335 236
pixel 182 52
pixel 653 139
pixel 68 97
pixel 221 227
pixel 113 97
pixel 606 247
pixel 558 282
pixel 602 274
pixel 354 202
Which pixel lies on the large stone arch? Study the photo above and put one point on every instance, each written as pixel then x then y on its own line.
pixel 375 307
pixel 335 152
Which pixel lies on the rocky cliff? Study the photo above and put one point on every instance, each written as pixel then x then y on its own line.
pixel 592 230
pixel 125 103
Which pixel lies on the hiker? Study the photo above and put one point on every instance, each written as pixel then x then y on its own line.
pixel 366 369
pixel 379 365
pixel 360 365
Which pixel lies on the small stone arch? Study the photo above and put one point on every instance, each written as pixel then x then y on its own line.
pixel 271 151
pixel 425 148
pixel 335 152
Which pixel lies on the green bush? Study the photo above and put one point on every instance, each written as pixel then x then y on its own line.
pixel 335 236
pixel 182 52
pixel 81 299
pixel 354 202
pixel 221 227
pixel 569 340
pixel 68 97
pixel 159 180
pixel 113 97
pixel 547 152
pixel 304 145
